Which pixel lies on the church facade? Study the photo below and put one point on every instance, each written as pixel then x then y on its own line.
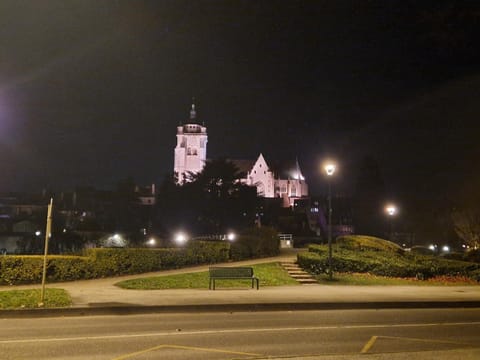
pixel 284 181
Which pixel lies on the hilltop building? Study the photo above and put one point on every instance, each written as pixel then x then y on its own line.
pixel 276 181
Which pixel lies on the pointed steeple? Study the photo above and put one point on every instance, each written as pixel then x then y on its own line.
pixel 193 113
pixel 299 175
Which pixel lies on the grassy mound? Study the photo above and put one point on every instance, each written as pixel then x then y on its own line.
pixel 360 254
pixel 363 242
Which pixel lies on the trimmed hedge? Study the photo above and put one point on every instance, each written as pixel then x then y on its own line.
pixel 472 256
pixel 105 262
pixel 363 242
pixel 383 263
pixel 255 243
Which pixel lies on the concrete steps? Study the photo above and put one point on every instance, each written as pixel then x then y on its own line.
pixel 298 274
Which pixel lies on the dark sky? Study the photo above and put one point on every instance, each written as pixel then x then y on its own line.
pixel 91 91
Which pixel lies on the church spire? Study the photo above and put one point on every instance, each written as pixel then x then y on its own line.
pixel 193 113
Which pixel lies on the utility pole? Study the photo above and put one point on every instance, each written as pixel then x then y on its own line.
pixel 47 236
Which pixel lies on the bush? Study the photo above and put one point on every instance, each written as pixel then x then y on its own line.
pixel 472 255
pixel 362 242
pixel 255 242
pixel 421 250
pixel 108 262
pixel 383 263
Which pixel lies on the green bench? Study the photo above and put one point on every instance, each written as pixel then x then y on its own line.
pixel 231 273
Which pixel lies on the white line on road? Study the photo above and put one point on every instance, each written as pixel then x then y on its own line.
pixel 232 331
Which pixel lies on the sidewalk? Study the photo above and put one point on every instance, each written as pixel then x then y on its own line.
pixel 101 296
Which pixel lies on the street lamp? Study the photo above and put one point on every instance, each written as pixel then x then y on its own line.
pixel 391 210
pixel 330 170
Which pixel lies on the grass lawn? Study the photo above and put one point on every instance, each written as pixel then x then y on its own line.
pixel 369 279
pixel 29 299
pixel 270 274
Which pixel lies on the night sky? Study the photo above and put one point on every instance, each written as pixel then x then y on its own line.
pixel 91 92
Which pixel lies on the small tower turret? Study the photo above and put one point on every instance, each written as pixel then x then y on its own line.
pixel 191 149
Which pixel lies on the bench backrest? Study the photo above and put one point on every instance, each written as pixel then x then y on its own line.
pixel 231 272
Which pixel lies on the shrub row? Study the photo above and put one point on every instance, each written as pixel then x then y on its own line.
pixel 472 256
pixel 255 243
pixel 363 242
pixel 108 262
pixel 383 263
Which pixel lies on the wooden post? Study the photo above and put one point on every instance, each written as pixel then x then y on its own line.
pixel 47 235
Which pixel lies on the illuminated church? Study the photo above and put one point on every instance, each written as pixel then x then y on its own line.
pixel 275 181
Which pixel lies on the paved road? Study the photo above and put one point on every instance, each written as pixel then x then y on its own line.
pixel 366 334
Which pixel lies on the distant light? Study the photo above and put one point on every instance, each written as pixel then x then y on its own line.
pixel 180 238
pixel 38 233
pixel 330 169
pixel 432 247
pixel 391 210
pixel 151 242
pixel 446 248
pixel 116 237
pixel 231 236
pixel 288 243
pixel 64 230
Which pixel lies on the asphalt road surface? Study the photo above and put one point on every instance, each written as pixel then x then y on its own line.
pixel 346 334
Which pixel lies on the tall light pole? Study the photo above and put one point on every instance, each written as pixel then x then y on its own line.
pixel 330 170
pixel 391 210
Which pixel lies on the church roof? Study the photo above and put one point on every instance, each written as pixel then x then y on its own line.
pixel 286 169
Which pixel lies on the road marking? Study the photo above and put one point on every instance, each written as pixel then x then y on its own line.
pixel 183 348
pixel 426 340
pixel 369 344
pixel 232 331
pixel 373 339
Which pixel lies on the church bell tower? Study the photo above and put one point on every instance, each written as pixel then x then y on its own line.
pixel 191 149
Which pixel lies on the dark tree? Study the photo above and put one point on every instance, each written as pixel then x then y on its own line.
pixel 212 201
pixel 369 200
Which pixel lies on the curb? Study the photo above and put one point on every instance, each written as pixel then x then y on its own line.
pixel 155 309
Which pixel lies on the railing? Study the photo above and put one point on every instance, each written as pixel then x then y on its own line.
pixel 286 240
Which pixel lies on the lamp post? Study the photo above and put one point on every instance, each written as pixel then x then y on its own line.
pixel 391 210
pixel 330 170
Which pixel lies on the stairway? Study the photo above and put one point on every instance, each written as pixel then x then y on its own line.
pixel 298 274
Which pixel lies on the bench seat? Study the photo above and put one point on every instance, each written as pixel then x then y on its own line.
pixel 231 273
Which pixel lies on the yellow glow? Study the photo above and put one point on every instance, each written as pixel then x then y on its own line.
pixel 391 210
pixel 330 168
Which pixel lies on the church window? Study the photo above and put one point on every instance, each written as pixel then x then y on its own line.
pixel 293 191
pixel 189 151
pixel 283 189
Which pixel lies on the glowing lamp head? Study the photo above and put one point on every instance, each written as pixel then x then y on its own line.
pixel 391 210
pixel 151 242
pixel 180 238
pixel 230 236
pixel 330 169
pixel 446 248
